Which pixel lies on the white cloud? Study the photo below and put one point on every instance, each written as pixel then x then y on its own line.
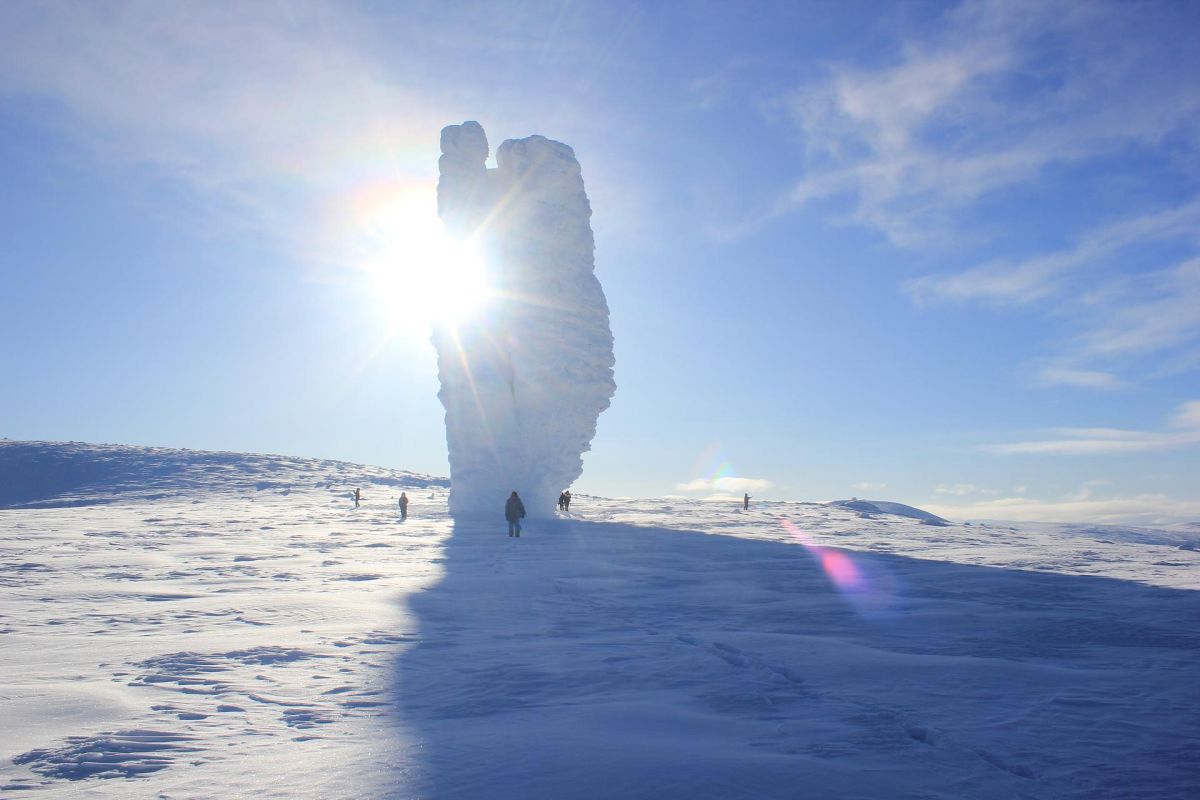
pixel 1098 441
pixel 1142 509
pixel 867 486
pixel 721 486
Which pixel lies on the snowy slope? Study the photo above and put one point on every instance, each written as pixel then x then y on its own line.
pixel 236 627
pixel 41 474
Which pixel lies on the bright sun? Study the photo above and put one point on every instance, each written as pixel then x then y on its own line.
pixel 420 274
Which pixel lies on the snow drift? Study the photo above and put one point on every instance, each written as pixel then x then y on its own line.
pixel 524 382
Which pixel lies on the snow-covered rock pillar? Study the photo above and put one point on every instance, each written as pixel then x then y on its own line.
pixel 525 380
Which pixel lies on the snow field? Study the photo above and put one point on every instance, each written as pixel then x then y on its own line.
pixel 218 640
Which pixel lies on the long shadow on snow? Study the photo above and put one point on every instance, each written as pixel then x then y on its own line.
pixel 603 660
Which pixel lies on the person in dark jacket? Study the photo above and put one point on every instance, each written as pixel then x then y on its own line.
pixel 746 502
pixel 562 501
pixel 567 501
pixel 357 497
pixel 403 506
pixel 514 510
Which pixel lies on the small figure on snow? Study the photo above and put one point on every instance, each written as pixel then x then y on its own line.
pixel 357 496
pixel 746 502
pixel 514 510
pixel 403 506
pixel 567 501
pixel 562 501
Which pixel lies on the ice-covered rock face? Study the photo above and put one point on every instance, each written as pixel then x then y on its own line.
pixel 525 380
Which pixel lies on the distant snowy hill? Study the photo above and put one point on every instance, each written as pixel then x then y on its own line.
pixel 210 625
pixel 887 507
pixel 41 474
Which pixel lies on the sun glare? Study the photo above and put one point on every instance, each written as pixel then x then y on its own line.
pixel 422 276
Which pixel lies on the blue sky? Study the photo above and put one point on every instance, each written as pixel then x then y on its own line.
pixel 940 253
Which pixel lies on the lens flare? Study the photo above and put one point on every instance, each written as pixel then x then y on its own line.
pixel 866 586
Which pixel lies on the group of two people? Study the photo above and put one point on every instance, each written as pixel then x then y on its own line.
pixel 403 503
pixel 514 511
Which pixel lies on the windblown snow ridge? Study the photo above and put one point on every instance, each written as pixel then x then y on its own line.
pixel 55 474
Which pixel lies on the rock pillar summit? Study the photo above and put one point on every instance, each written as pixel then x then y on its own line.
pixel 524 381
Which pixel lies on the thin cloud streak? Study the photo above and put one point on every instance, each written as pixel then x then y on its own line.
pixel 1098 441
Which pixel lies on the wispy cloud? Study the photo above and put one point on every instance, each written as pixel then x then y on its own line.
pixel 997 96
pixel 868 486
pixel 973 105
pixel 273 117
pixel 710 90
pixel 961 489
pixel 1043 276
pixel 302 122
pixel 1081 378
pixel 1097 441
pixel 1161 313
pixel 1119 313
pixel 1187 416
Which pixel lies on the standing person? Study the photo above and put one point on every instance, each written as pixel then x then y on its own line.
pixel 357 496
pixel 567 501
pixel 403 506
pixel 562 501
pixel 514 509
pixel 746 502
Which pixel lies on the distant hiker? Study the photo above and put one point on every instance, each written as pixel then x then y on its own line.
pixel 567 501
pixel 745 502
pixel 403 506
pixel 357 497
pixel 514 509
pixel 562 501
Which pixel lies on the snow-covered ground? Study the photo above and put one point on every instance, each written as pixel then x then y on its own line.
pixel 177 624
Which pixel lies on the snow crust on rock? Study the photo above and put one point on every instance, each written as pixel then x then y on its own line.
pixel 523 382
